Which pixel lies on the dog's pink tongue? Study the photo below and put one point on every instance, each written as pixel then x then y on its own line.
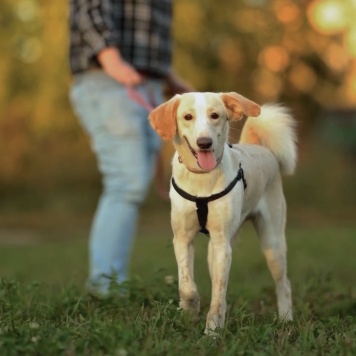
pixel 206 160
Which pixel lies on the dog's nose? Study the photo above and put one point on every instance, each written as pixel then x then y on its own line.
pixel 204 142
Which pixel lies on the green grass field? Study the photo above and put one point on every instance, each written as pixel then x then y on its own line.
pixel 44 309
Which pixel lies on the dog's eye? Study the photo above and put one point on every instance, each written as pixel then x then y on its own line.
pixel 214 115
pixel 188 117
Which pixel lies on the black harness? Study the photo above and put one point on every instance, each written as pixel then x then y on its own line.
pixel 202 202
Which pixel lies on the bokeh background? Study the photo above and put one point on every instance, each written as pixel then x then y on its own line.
pixel 301 53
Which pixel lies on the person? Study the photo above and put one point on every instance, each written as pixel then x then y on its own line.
pixel 117 46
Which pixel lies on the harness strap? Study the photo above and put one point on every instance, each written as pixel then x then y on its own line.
pixel 202 202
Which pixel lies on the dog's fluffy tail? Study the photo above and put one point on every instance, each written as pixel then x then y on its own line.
pixel 274 129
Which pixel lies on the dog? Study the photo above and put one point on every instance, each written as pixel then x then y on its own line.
pixel 215 187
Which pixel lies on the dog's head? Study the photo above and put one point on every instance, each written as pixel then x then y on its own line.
pixel 197 124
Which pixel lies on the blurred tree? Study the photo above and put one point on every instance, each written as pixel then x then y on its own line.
pixel 266 50
pixel 41 145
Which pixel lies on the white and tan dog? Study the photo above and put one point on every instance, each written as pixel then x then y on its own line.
pixel 207 191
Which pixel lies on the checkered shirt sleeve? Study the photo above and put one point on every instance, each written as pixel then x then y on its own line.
pixel 140 29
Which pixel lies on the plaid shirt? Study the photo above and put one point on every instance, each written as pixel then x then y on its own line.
pixel 140 29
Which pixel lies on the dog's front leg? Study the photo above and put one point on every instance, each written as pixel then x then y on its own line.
pixel 219 259
pixel 184 252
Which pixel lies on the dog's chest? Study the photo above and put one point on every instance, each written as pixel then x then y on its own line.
pixel 208 211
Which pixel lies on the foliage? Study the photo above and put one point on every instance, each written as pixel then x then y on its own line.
pixel 55 315
pixel 39 138
pixel 265 50
pixel 37 320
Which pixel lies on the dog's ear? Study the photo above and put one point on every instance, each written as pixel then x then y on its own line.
pixel 237 105
pixel 163 118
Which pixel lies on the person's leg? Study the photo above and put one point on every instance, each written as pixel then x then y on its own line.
pixel 125 153
pixel 153 93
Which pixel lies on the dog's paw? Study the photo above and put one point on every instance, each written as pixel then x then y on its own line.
pixel 215 334
pixel 191 306
pixel 285 317
pixel 190 301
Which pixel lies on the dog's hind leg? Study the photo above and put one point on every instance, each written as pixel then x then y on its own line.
pixel 270 225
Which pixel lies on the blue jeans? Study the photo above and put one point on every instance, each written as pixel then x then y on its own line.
pixel 126 149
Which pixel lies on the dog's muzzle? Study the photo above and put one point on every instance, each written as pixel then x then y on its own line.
pixel 205 156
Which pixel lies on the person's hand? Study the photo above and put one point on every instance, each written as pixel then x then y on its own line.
pixel 113 65
pixel 175 85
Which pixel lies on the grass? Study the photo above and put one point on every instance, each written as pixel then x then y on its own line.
pixel 45 311
pixel 42 321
